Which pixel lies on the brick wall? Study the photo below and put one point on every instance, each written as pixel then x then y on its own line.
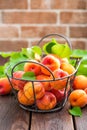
pixel 24 22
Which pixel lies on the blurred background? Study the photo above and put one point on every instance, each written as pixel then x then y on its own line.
pixel 24 22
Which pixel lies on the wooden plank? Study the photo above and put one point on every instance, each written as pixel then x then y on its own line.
pixel 81 122
pixel 12 117
pixel 52 121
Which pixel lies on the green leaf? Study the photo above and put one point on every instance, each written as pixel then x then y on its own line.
pixel 28 52
pixel 79 53
pixel 47 48
pixel 29 76
pixel 6 54
pixel 75 111
pixel 37 50
pixel 57 49
pixel 2 74
pixel 53 47
pixel 82 68
pixel 66 52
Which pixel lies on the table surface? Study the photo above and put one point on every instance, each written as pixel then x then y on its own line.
pixel 13 117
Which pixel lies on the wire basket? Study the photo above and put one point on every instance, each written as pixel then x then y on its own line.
pixel 67 80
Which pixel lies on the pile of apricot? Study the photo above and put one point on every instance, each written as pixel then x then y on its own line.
pixel 44 91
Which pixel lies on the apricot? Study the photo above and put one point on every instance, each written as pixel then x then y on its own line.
pixel 33 67
pixel 18 84
pixel 59 94
pixel 5 87
pixel 67 67
pixel 85 90
pixel 78 98
pixel 23 99
pixel 43 78
pixel 47 102
pixel 60 83
pixel 80 82
pixel 51 62
pixel 38 90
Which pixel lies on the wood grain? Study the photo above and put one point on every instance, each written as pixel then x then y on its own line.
pixel 52 121
pixel 81 122
pixel 12 117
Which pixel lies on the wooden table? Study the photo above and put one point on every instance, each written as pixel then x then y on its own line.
pixel 13 117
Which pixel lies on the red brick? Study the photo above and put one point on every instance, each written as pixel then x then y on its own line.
pixel 73 17
pixel 40 4
pixel 78 32
pixel 0 17
pixel 8 32
pixel 13 4
pixel 68 4
pixel 29 17
pixel 33 31
pixel 78 44
pixel 12 45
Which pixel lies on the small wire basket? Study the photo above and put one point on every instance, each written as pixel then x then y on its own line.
pixel 67 79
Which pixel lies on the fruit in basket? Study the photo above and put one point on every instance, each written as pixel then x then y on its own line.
pixel 18 84
pixel 61 83
pixel 59 94
pixel 43 77
pixel 23 99
pixel 5 87
pixel 51 62
pixel 67 67
pixel 47 102
pixel 85 90
pixel 78 98
pixel 33 67
pixel 80 82
pixel 38 90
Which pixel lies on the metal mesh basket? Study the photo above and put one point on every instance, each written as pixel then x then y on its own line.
pixel 67 79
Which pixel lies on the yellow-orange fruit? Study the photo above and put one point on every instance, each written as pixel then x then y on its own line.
pixel 78 98
pixel 80 82
pixel 38 90
pixel 67 67
pixel 47 102
pixel 23 99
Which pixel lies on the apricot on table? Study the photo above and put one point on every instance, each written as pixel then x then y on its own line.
pixel 47 102
pixel 5 87
pixel 78 98
pixel 80 82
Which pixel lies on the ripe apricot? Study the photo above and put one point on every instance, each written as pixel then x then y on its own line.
pixel 23 99
pixel 5 87
pixel 38 90
pixel 60 83
pixel 36 68
pixel 47 102
pixel 46 85
pixel 67 67
pixel 78 98
pixel 80 82
pixel 51 62
pixel 18 84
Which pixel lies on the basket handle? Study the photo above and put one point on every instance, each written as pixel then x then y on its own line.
pixel 55 34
